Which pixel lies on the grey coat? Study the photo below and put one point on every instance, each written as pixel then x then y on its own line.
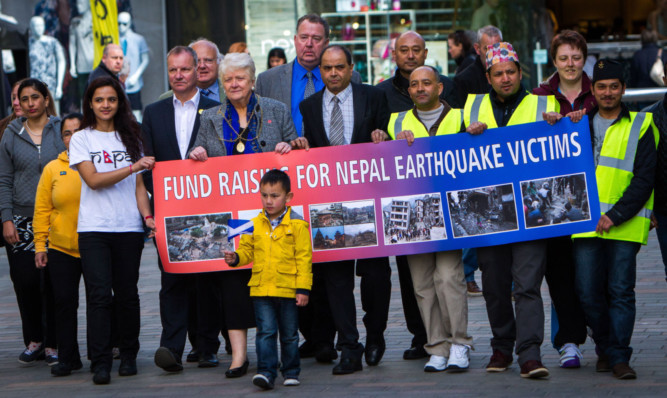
pixel 275 126
pixel 21 165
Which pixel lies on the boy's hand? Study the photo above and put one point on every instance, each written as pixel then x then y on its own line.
pixel 301 300
pixel 230 257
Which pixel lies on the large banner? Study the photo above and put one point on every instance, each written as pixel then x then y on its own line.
pixel 506 185
pixel 105 25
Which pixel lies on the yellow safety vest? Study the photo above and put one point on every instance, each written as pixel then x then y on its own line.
pixel 478 109
pixel 614 173
pixel 399 121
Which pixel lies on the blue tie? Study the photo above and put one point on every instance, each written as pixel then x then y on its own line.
pixel 206 92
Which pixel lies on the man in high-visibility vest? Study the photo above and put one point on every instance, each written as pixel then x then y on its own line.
pixel 438 278
pixel 624 149
pixel 522 264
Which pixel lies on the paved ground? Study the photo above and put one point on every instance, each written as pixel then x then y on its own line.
pixel 393 377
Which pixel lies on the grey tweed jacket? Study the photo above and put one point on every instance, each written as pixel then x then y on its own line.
pixel 275 126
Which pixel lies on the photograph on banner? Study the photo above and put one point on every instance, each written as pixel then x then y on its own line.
pixel 343 225
pixel 198 237
pixel 482 211
pixel 413 218
pixel 555 200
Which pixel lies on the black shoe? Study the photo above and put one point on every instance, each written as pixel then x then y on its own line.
pixel 208 361
pixel 102 376
pixel 237 372
pixel 374 354
pixel 61 369
pixel 193 356
pixel 347 365
pixel 167 360
pixel 28 357
pixel 307 350
pixel 128 367
pixel 326 355
pixel 415 353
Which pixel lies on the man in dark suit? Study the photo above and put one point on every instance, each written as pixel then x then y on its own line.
pixel 347 113
pixel 169 129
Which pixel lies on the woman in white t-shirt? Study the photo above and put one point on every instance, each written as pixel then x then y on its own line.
pixel 107 153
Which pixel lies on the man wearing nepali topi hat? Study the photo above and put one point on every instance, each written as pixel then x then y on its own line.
pixel 523 263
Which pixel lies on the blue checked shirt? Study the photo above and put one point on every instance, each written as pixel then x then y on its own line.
pixel 346 107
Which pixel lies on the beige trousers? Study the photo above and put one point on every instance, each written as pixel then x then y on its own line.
pixel 441 293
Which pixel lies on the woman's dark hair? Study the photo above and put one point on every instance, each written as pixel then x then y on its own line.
pixel 41 88
pixel 574 39
pixel 461 38
pixel 75 115
pixel 126 126
pixel 275 52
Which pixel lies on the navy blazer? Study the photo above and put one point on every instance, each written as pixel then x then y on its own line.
pixel 370 112
pixel 159 132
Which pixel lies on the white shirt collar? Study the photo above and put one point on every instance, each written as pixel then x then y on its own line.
pixel 194 100
pixel 342 96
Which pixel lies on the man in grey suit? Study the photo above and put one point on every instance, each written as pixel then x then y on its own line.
pixel 292 82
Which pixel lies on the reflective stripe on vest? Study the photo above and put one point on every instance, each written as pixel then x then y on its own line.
pixel 399 122
pixel 476 105
pixel 627 163
pixel 541 106
pixel 643 212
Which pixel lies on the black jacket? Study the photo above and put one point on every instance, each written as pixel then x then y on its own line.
pixel 659 110
pixel 472 80
pixel 641 185
pixel 370 113
pixel 396 90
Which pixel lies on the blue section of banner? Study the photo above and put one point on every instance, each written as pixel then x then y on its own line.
pixel 484 182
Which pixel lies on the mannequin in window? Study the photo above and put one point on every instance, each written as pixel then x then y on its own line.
pixel 135 51
pixel 81 51
pixel 47 59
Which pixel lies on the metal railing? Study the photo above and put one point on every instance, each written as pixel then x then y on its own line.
pixel 644 94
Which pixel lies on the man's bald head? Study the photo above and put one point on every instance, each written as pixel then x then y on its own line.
pixel 425 88
pixel 112 57
pixel 409 52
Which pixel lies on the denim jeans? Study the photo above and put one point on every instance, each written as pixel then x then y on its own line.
pixel 470 264
pixel 661 231
pixel 606 271
pixel 275 314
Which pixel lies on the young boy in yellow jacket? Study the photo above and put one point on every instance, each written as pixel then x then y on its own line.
pixel 281 253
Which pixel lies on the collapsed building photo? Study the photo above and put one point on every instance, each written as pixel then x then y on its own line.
pixel 482 211
pixel 343 224
pixel 413 218
pixel 555 200
pixel 195 238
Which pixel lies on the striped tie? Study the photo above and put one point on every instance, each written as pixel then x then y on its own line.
pixel 336 129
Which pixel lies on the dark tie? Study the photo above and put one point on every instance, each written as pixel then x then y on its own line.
pixel 336 129
pixel 206 92
pixel 310 86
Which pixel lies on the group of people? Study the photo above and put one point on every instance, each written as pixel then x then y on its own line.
pixel 91 204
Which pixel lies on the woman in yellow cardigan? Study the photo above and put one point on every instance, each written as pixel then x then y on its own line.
pixel 55 220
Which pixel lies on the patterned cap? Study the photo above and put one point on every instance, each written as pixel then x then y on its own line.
pixel 500 52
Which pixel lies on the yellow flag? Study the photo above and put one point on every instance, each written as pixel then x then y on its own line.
pixel 105 25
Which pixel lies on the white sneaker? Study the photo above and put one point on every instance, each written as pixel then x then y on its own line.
pixel 570 356
pixel 436 364
pixel 458 358
pixel 291 382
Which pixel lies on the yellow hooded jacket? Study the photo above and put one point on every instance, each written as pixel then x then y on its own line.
pixel 282 258
pixel 57 208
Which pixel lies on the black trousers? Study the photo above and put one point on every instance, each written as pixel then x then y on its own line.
pixel 187 309
pixel 333 304
pixel 65 273
pixel 413 318
pixel 34 296
pixel 110 263
pixel 560 278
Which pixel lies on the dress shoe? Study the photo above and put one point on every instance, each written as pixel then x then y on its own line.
pixel 473 289
pixel 347 365
pixel 415 353
pixel 499 362
pixel 167 360
pixel 128 367
pixel 208 361
pixel 237 372
pixel 534 369
pixel 623 371
pixel 102 376
pixel 193 356
pixel 65 369
pixel 307 350
pixel 374 354
pixel 326 355
pixel 602 365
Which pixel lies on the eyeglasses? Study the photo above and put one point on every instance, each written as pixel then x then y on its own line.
pixel 123 23
pixel 206 61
